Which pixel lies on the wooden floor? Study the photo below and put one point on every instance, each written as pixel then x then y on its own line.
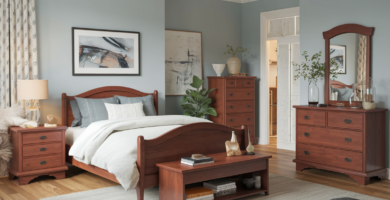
pixel 281 163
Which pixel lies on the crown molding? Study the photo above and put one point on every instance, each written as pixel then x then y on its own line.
pixel 240 1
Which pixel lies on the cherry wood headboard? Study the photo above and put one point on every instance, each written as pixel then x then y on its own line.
pixel 103 92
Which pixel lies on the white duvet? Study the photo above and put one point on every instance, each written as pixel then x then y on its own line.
pixel 112 144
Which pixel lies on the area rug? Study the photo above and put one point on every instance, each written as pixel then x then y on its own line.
pixel 281 188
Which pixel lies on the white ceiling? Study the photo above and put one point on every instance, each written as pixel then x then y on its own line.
pixel 241 1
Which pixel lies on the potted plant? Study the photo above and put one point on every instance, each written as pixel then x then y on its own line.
pixel 313 70
pixel 234 63
pixel 196 102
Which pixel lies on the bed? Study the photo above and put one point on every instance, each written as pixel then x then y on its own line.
pixel 204 138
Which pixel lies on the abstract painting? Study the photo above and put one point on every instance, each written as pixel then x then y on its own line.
pixel 337 52
pixel 105 52
pixel 183 60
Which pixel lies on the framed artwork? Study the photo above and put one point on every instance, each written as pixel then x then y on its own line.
pixel 99 52
pixel 183 60
pixel 338 53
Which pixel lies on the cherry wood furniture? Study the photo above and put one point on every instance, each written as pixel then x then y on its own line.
pixel 37 151
pixel 174 176
pixel 234 101
pixel 203 138
pixel 345 140
pixel 338 30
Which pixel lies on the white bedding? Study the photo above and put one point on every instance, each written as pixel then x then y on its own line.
pixel 112 144
pixel 72 133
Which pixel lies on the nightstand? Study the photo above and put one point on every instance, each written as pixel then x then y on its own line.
pixel 37 151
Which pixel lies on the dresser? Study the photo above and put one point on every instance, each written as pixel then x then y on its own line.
pixel 37 151
pixel 345 140
pixel 234 101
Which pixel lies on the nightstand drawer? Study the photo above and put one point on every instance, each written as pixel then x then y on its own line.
pixel 42 162
pixel 42 149
pixel 49 136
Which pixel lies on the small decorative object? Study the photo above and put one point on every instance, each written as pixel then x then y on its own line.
pixel 195 156
pixel 218 68
pixel 338 54
pixel 313 70
pixel 33 90
pixel 239 74
pixel 105 52
pixel 232 146
pixel 234 63
pixel 248 183
pixel 340 105
pixel 51 119
pixel 50 125
pixel 322 105
pixel 183 60
pixel 354 100
pixel 258 182
pixel 369 94
pixel 196 102
pixel 249 149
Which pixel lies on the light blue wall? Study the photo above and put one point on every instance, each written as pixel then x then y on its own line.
pixel 220 24
pixel 319 15
pixel 57 17
pixel 251 37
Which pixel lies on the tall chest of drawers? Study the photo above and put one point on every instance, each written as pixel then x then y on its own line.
pixel 234 101
pixel 37 151
pixel 344 140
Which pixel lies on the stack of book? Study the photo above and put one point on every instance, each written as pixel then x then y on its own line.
pixel 197 161
pixel 221 187
pixel 199 193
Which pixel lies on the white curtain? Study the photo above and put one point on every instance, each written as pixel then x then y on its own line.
pixel 19 52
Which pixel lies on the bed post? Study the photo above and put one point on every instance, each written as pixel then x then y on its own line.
pixel 64 110
pixel 246 139
pixel 155 99
pixel 141 167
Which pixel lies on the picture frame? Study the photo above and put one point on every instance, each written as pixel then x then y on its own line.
pixel 338 52
pixel 100 52
pixel 183 60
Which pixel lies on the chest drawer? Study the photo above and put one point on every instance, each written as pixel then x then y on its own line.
pixel 43 162
pixel 352 140
pixel 311 117
pixel 331 157
pixel 240 106
pixel 345 120
pixel 42 149
pixel 230 83
pixel 240 119
pixel 248 83
pixel 240 94
pixel 49 136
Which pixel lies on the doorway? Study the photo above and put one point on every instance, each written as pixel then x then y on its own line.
pixel 273 91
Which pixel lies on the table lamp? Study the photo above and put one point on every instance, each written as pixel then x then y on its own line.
pixel 32 90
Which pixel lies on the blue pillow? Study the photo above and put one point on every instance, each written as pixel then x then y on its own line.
pixel 76 113
pixel 93 110
pixel 147 101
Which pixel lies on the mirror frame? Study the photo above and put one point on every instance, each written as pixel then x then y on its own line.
pixel 338 30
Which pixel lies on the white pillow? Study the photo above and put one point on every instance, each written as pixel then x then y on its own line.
pixel 120 111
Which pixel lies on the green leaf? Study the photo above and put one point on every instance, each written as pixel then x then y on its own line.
pixel 211 111
pixel 196 82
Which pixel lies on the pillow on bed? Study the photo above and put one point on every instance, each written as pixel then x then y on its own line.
pixel 147 101
pixel 120 111
pixel 76 113
pixel 93 110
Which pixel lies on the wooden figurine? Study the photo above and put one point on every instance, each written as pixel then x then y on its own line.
pixel 232 146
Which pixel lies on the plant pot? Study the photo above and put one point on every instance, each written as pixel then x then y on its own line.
pixel 313 94
pixel 233 64
pixel 218 68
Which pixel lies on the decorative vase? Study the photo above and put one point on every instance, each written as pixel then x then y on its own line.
pixel 369 94
pixel 313 94
pixel 233 64
pixel 218 68
pixel 354 99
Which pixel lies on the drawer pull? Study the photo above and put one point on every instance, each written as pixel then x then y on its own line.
pixel 248 106
pixel 42 162
pixel 348 121
pixel 231 107
pixel 232 83
pixel 248 93
pixel 307 152
pixel 249 119
pixel 42 149
pixel 348 160
pixel 231 120
pixel 348 139
pixel 231 94
pixel 42 137
pixel 248 82
pixel 307 134
pixel 306 117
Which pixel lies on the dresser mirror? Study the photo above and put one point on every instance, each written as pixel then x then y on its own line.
pixel 347 61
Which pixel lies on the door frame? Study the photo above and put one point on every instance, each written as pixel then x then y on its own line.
pixel 263 93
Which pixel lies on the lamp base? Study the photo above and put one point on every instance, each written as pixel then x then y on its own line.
pixel 33 115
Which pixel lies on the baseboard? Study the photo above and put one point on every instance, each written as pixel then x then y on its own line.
pixel 388 174
pixel 286 145
pixel 3 176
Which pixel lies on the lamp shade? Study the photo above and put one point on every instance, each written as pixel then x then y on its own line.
pixel 32 89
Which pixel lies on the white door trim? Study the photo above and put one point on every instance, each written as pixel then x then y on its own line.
pixel 263 93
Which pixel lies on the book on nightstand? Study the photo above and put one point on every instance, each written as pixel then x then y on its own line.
pixel 196 161
pixel 199 193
